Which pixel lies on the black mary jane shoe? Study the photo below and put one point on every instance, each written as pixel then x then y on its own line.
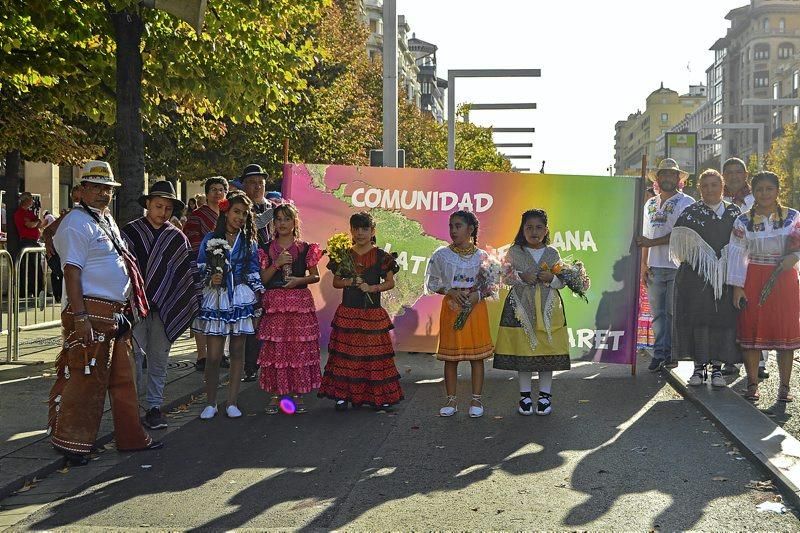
pixel 341 405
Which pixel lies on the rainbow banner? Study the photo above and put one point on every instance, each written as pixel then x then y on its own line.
pixel 590 218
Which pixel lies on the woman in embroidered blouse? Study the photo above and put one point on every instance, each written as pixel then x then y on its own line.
pixel 229 305
pixel 459 272
pixel 766 238
pixel 533 327
pixel 289 357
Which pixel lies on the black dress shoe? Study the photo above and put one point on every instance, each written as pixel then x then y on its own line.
pixel 248 377
pixel 341 405
pixel 75 459
pixel 154 445
pixel 762 373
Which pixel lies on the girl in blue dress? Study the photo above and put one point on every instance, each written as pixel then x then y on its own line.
pixel 230 303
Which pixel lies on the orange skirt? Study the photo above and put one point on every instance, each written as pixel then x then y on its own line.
pixel 471 343
pixel 776 324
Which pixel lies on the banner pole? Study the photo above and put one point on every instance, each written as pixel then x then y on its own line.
pixel 638 221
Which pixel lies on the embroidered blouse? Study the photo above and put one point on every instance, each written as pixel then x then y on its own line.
pixel 766 244
pixel 448 270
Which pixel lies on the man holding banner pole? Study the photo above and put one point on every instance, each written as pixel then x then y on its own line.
pixel 658 274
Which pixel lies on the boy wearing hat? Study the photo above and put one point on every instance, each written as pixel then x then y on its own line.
pixel 164 256
pixel 105 294
pixel 658 271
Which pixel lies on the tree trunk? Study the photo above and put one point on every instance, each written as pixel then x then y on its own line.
pixel 128 28
pixel 11 184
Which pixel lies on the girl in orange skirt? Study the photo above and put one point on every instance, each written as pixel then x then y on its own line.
pixel 764 241
pixel 464 274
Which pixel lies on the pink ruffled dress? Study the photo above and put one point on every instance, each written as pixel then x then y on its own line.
pixel 289 357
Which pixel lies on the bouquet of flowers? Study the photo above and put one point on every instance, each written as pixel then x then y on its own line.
pixel 573 275
pixel 486 282
pixel 216 262
pixel 792 246
pixel 338 249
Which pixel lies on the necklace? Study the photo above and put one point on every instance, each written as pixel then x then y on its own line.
pixel 463 252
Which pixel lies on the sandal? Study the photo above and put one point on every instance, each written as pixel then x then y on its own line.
pixel 299 404
pixel 450 407
pixel 783 394
pixel 272 407
pixel 752 392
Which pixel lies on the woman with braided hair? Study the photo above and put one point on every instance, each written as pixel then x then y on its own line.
pixel 458 272
pixel 764 239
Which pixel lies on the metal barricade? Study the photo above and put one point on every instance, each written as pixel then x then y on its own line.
pixel 39 311
pixel 7 280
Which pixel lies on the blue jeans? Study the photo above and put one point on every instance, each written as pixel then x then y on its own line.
pixel 660 290
pixel 150 339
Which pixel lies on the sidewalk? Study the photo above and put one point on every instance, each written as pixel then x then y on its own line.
pixel 25 450
pixel 755 433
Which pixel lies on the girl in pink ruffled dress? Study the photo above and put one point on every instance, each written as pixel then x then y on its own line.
pixel 290 357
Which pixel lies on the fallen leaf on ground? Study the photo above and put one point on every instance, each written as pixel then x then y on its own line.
pixel 765 486
pixel 147 466
pixel 414 427
pixel 583 401
pixel 64 470
pixel 498 418
pixel 719 478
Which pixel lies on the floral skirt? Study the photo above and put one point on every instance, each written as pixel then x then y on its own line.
pixel 220 315
pixel 473 342
pixel 289 331
pixel 776 324
pixel 360 366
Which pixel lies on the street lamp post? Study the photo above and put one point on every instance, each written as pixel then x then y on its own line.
pixel 390 83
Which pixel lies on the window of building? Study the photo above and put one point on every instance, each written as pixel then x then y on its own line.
pixel 664 118
pixel 776 90
pixel 782 25
pixel 785 50
pixel 761 79
pixel 796 114
pixel 765 24
pixel 761 51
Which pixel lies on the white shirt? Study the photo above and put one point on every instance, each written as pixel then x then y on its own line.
pixel 659 219
pixel 79 241
pixel 749 200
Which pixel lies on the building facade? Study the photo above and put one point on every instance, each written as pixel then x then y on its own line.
pixel 432 88
pixel 758 59
pixel 407 69
pixel 639 134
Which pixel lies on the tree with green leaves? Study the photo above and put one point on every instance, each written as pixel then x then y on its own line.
pixel 784 160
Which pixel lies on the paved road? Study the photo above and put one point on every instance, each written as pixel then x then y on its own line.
pixel 618 453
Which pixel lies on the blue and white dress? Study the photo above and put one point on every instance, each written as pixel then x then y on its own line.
pixel 229 309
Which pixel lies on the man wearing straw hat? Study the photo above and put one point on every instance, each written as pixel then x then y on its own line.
pixel 105 293
pixel 171 284
pixel 658 271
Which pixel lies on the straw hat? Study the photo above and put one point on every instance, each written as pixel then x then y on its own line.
pixel 668 164
pixel 98 172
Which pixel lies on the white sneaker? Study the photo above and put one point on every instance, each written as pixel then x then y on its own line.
pixel 232 411
pixel 717 380
pixel 450 408
pixel 696 380
pixel 476 411
pixel 209 412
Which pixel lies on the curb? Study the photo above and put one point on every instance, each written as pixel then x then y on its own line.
pixel 761 440
pixel 58 461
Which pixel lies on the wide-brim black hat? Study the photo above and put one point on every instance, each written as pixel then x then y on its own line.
pixel 253 170
pixel 162 189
